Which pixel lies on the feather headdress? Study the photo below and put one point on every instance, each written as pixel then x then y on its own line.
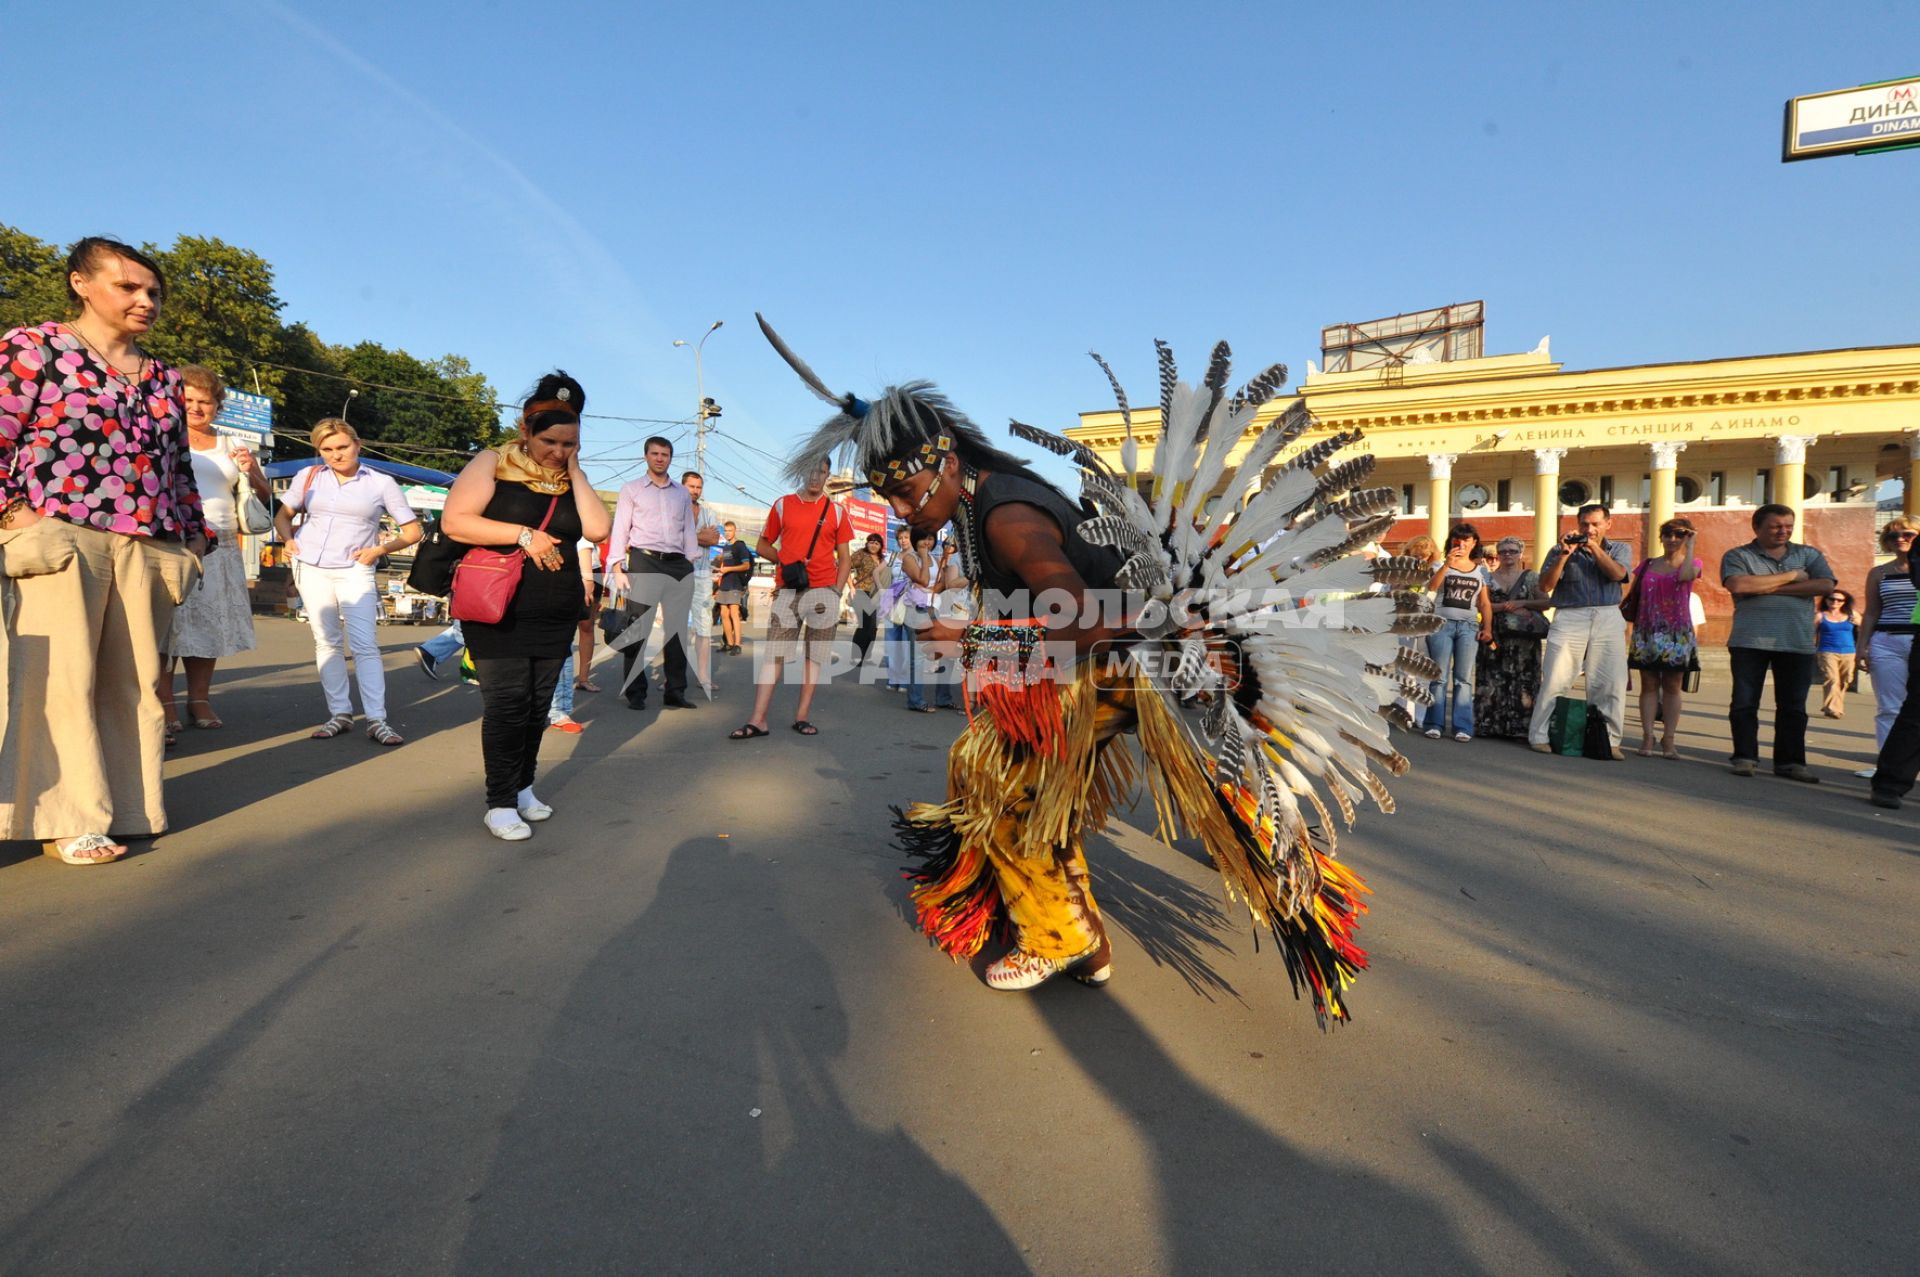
pixel 908 428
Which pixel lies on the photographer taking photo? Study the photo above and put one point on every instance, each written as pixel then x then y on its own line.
pixel 1584 575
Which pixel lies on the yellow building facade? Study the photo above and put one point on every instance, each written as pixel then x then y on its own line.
pixel 1515 443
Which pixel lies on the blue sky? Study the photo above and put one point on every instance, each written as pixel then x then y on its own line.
pixel 981 193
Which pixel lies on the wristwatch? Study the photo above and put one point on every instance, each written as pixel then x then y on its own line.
pixel 526 539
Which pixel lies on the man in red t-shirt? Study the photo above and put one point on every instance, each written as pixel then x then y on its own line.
pixel 804 527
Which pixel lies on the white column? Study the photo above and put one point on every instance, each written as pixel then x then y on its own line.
pixel 1665 458
pixel 1546 500
pixel 1439 494
pixel 1911 504
pixel 1790 476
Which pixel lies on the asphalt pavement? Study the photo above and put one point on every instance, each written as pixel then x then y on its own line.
pixel 1623 1017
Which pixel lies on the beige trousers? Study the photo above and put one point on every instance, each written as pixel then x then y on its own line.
pixel 81 734
pixel 1836 676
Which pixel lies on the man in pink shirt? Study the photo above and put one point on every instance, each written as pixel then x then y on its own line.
pixel 650 560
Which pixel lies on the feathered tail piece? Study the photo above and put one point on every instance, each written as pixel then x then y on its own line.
pixel 955 893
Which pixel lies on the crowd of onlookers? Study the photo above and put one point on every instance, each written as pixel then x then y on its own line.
pixel 1513 640
pixel 120 504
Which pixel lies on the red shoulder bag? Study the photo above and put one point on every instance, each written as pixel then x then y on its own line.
pixel 484 581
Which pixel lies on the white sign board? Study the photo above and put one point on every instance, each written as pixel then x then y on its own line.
pixel 246 417
pixel 1848 120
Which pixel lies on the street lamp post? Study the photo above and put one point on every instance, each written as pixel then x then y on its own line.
pixel 704 409
pixel 351 396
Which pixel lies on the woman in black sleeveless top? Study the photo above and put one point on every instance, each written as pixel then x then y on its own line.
pixel 529 495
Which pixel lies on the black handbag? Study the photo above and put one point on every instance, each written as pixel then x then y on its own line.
pixel 433 562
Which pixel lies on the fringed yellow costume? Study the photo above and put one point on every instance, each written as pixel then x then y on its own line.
pixel 1040 766
pixel 1260 669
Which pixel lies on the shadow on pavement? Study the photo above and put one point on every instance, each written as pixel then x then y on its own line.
pixel 685 1114
pixel 1227 1188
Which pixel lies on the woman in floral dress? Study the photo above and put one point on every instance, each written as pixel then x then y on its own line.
pixel 101 534
pixel 1663 647
pixel 1509 667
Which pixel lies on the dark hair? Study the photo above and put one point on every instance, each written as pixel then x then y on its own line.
pixel 1464 529
pixel 693 474
pixel 1679 524
pixel 549 388
pixel 1591 506
pixel 1842 593
pixel 729 524
pixel 922 535
pixel 663 442
pixel 1771 510
pixel 84 259
pixel 875 536
pixel 556 400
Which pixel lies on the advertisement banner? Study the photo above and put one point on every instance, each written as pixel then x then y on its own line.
pixel 248 418
pixel 866 516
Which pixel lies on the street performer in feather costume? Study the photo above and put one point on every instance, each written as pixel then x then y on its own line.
pixel 1249 646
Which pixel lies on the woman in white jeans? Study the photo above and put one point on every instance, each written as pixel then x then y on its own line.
pixel 334 550
pixel 1888 628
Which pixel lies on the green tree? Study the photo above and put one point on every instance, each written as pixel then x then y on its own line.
pixel 221 311
pixel 33 286
pixel 307 395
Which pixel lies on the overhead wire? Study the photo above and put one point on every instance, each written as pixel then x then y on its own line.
pixel 493 405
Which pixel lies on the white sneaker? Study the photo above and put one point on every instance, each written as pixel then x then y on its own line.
pixel 532 808
pixel 505 824
pixel 1433 733
pixel 1865 773
pixel 1462 737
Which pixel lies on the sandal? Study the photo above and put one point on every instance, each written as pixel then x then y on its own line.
pixel 70 852
pixel 209 723
pixel 585 685
pixel 338 725
pixel 380 734
pixel 746 731
pixel 805 728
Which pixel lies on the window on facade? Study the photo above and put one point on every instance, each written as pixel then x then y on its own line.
pixel 1606 490
pixel 1505 497
pixel 1474 496
pixel 1763 486
pixel 1717 488
pixel 1686 490
pixel 1406 498
pixel 1575 493
pixel 1837 482
pixel 1810 485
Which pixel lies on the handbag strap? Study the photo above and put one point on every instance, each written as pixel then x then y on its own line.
pixel 551 507
pixel 828 505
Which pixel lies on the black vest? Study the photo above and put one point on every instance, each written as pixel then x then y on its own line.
pixel 1096 564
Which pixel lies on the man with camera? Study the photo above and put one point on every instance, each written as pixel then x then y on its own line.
pixel 807 536
pixel 1774 582
pixel 1584 574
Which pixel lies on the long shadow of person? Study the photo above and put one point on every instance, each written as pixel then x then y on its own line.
pixel 1233 1198
pixel 683 1114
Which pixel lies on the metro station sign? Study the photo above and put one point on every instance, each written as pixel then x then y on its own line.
pixel 1848 121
